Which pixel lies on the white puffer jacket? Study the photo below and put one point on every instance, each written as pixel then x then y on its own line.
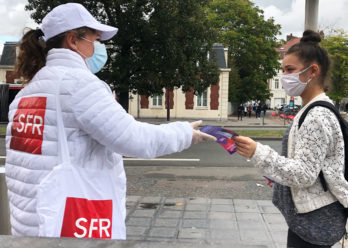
pixel 98 130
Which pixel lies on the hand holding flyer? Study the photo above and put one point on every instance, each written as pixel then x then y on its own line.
pixel 224 137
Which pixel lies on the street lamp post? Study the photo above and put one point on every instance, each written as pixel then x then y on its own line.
pixel 311 16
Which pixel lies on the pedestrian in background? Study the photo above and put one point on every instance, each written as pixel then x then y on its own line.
pixel 58 63
pixel 264 109
pixel 315 217
pixel 255 109
pixel 258 111
pixel 249 110
pixel 240 111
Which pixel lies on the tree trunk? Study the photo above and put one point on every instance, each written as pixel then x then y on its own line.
pixel 168 104
pixel 122 98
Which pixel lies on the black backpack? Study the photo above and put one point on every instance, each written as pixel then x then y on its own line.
pixel 344 128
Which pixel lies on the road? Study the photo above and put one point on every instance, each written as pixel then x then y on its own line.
pixel 204 170
pixel 216 175
pixel 210 155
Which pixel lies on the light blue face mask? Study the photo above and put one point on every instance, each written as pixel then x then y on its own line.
pixel 99 57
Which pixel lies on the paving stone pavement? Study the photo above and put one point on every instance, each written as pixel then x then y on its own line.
pixel 243 223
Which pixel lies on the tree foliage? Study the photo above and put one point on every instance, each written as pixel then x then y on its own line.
pixel 160 44
pixel 252 41
pixel 337 46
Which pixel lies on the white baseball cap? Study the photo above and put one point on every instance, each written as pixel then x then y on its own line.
pixel 70 16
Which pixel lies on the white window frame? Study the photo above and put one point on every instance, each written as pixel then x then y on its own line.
pixel 207 91
pixel 156 98
pixel 276 83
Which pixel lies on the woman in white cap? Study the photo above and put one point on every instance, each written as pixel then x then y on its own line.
pixel 62 57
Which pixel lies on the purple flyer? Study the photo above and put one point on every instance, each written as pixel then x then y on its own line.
pixel 224 137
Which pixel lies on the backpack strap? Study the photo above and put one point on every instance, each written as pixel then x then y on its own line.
pixel 339 117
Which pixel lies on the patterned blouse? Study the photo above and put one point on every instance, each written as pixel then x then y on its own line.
pixel 324 226
pixel 317 146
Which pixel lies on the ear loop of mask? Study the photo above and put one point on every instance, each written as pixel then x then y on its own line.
pixel 299 73
pixel 79 49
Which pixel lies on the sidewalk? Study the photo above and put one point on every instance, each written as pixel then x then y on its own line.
pixel 159 222
pixel 243 223
pixel 268 122
pixel 239 223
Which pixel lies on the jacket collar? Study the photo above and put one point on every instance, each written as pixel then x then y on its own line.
pixel 65 57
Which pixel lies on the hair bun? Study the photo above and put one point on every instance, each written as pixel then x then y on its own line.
pixel 311 37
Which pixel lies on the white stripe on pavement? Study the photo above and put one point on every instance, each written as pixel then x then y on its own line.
pixel 157 159
pixel 164 159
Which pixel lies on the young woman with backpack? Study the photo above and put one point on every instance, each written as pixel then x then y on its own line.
pixel 315 216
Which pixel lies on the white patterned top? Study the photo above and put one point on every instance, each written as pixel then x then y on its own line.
pixel 317 146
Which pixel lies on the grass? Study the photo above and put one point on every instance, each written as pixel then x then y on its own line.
pixel 262 133
pixel 2 130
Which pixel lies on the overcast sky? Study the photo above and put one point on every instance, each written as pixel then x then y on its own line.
pixel 288 13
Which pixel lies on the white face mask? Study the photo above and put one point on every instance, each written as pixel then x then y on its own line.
pixel 292 84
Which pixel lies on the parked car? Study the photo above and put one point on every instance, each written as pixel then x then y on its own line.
pixel 285 109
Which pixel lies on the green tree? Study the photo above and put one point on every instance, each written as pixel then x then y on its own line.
pixel 251 40
pixel 160 44
pixel 177 48
pixel 337 46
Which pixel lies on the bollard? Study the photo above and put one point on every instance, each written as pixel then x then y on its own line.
pixel 5 226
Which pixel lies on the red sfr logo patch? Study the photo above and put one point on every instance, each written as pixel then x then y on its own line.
pixel 28 125
pixel 85 218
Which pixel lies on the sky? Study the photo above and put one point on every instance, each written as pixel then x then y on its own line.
pixel 289 14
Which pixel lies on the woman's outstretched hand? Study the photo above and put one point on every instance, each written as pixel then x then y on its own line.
pixel 198 136
pixel 245 146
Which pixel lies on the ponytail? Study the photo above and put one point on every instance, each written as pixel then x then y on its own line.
pixel 32 53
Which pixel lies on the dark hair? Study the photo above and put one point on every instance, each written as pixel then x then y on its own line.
pixel 309 51
pixel 33 51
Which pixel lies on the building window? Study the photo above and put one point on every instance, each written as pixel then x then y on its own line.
pixel 202 99
pixel 276 83
pixel 157 101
